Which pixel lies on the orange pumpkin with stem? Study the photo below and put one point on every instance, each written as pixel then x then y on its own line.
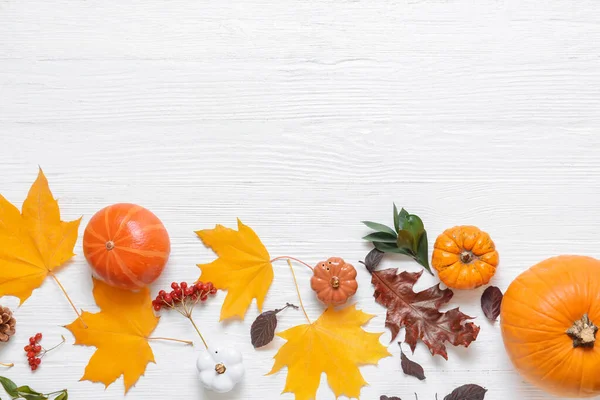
pixel 464 257
pixel 126 245
pixel 549 319
pixel 334 281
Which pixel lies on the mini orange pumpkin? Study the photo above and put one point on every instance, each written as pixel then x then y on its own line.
pixel 334 281
pixel 126 245
pixel 549 318
pixel 464 257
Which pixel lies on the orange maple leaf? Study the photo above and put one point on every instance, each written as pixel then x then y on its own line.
pixel 34 243
pixel 120 332
pixel 243 268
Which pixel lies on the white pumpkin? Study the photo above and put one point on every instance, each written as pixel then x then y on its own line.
pixel 220 368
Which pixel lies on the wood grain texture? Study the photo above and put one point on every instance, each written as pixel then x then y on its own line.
pixel 303 118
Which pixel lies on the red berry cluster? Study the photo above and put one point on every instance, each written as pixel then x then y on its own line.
pixel 182 292
pixel 33 349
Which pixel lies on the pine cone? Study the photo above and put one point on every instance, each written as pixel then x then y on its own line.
pixel 7 324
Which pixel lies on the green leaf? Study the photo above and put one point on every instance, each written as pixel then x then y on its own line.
pixel 379 227
pixel 403 215
pixel 391 248
pixel 405 240
pixel 383 237
pixel 422 253
pixel 396 218
pixel 9 386
pixel 63 396
pixel 34 397
pixel 26 389
pixel 414 225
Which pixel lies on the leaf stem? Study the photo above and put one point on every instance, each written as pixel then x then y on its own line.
pixel 198 330
pixel 292 258
pixel 172 340
pixel 8 365
pixel 298 291
pixel 287 305
pixel 57 392
pixel 68 298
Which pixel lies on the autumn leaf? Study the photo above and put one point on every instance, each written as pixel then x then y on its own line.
pixel 335 344
pixel 243 267
pixel 467 392
pixel 491 301
pixel 35 243
pixel 410 367
pixel 120 333
pixel 419 312
pixel 263 328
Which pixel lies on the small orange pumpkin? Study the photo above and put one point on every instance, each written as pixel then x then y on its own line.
pixel 334 281
pixel 126 245
pixel 464 257
pixel 549 319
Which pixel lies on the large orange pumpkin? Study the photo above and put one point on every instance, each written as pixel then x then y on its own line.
pixel 334 281
pixel 126 245
pixel 464 257
pixel 549 320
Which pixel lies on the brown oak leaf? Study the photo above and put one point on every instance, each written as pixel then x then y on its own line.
pixel 419 312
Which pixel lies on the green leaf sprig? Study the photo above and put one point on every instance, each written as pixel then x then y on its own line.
pixel 408 237
pixel 27 393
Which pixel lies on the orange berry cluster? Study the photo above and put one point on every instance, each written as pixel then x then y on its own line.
pixel 181 292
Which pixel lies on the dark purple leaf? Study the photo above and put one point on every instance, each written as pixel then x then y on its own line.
pixel 373 259
pixel 410 367
pixel 491 300
pixel 467 392
pixel 263 328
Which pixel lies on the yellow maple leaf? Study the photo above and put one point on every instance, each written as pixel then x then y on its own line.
pixel 120 332
pixel 243 268
pixel 335 344
pixel 34 242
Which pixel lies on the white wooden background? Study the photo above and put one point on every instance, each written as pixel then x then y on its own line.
pixel 302 118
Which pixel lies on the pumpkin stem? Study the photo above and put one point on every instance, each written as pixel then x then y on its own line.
pixel 583 332
pixel 220 368
pixel 110 245
pixel 335 282
pixel 466 257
